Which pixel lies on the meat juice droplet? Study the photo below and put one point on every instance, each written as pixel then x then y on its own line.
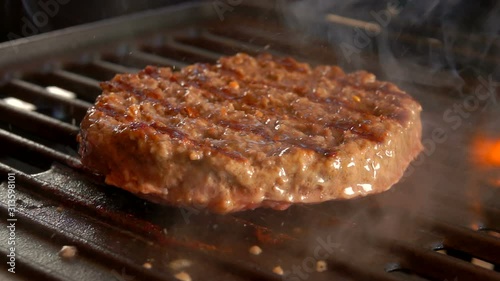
pixel 365 186
pixel 279 190
pixel 283 151
pixel 389 153
pixel 376 166
pixel 336 164
pixel 349 191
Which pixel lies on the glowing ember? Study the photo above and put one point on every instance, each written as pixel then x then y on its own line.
pixel 486 151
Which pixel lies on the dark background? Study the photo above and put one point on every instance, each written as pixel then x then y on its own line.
pixel 456 23
pixel 73 12
pixel 472 16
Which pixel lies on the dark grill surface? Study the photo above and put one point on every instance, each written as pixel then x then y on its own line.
pixel 441 223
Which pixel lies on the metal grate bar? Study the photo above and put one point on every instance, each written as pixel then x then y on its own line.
pixel 315 53
pixel 114 68
pixel 360 273
pixel 35 91
pixel 473 40
pixel 472 242
pixel 29 268
pixel 153 59
pixel 440 267
pixel 38 95
pixel 85 87
pixel 39 149
pixel 230 43
pixel 33 122
pixel 99 70
pixel 186 54
pixel 218 46
pixel 43 221
pixel 193 49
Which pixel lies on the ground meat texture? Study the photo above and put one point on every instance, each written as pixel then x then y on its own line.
pixel 249 132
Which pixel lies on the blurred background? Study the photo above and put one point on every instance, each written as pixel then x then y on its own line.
pixel 71 12
pixel 470 26
pixel 473 16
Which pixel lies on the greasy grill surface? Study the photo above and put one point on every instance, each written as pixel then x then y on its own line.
pixel 438 224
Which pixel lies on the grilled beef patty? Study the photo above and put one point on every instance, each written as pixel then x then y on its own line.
pixel 250 131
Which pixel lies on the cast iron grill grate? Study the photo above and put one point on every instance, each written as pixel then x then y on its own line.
pixel 429 227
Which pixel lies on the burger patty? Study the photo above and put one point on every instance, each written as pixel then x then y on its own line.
pixel 248 132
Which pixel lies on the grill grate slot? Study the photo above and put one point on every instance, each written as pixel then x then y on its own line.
pixel 102 71
pixel 47 103
pixel 467 258
pixel 31 148
pixel 138 59
pixel 112 69
pixel 12 118
pixel 29 156
pixel 315 52
pixel 184 53
pixel 407 274
pixel 84 87
pixel 218 44
pixel 472 242
pixel 26 164
pixel 440 267
pixel 491 232
pixel 15 155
